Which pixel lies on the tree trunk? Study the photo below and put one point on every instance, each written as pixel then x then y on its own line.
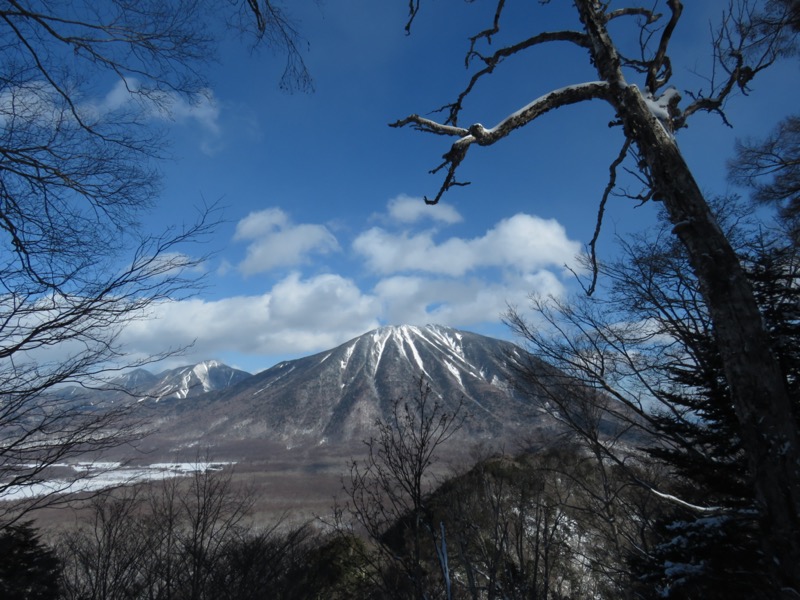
pixel 758 388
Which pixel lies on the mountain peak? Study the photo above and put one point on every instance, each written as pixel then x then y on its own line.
pixel 402 333
pixel 411 329
pixel 405 342
pixel 193 380
pixel 338 394
pixel 209 364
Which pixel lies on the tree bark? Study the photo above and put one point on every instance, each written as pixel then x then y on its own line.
pixel 758 388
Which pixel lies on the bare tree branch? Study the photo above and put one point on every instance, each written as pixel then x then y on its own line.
pixel 274 26
pixel 76 174
pixel 478 134
pixel 659 71
pixel 491 62
pixel 612 183
pixel 771 167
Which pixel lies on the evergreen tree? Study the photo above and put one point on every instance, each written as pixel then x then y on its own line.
pixel 714 552
pixel 29 570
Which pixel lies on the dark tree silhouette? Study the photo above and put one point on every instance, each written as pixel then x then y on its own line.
pixel 771 168
pixel 29 570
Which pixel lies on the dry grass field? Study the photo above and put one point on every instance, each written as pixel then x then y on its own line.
pixel 291 486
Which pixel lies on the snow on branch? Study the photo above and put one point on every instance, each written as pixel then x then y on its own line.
pixel 571 94
pixel 633 12
pixel 430 126
pixel 479 134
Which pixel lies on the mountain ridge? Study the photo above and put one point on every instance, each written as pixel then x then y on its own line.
pixel 336 396
pixel 141 385
pixel 192 380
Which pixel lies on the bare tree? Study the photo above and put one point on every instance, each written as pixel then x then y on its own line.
pixel 513 527
pixel 643 356
pixel 103 558
pixel 77 173
pixel 213 513
pixel 771 168
pixel 181 538
pixel 387 493
pixel 49 338
pixel 649 116
pixel 276 29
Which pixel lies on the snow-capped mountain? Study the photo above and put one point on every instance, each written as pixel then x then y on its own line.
pixel 191 381
pixel 337 395
pixel 143 386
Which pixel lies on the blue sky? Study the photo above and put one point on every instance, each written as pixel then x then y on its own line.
pixel 325 233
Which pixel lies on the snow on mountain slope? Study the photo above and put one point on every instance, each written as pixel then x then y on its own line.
pixel 336 395
pixel 142 386
pixel 194 380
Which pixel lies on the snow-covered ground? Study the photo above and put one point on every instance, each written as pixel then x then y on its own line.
pixel 92 476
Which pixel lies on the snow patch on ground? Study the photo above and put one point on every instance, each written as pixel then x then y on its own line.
pixel 203 374
pixel 409 339
pixel 379 339
pixel 497 382
pixel 93 476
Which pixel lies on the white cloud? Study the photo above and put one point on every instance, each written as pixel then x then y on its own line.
pixel 303 316
pixel 260 223
pixel 127 100
pixel 419 300
pixel 202 108
pixel 296 315
pixel 35 102
pixel 523 243
pixel 455 281
pixel 276 242
pixel 38 101
pixel 224 267
pixel 405 209
pixel 174 264
pixel 118 98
